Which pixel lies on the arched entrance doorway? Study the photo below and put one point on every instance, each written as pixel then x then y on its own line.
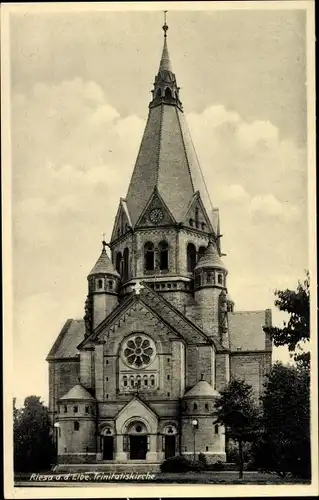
pixel 107 443
pixel 170 441
pixel 137 440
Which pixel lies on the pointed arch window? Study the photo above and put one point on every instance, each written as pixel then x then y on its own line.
pixel 126 255
pixel 197 217
pixel 191 257
pixel 149 256
pixel 168 93
pixel 163 255
pixel 201 251
pixel 118 262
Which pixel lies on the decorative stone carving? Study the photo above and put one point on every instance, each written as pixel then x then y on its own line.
pixel 88 318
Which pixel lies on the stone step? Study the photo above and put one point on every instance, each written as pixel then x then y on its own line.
pixel 116 468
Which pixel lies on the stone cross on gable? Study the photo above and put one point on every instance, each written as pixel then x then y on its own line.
pixel 137 288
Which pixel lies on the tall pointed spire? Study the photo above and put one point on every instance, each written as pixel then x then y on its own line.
pixel 165 85
pixel 165 64
pixel 167 160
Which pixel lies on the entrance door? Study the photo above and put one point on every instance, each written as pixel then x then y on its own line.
pixel 108 448
pixel 170 446
pixel 138 447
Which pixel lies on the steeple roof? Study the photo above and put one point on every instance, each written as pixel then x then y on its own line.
pixel 167 159
pixel 165 64
pixel 103 265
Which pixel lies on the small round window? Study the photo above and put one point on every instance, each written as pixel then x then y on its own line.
pixel 138 428
pixel 138 351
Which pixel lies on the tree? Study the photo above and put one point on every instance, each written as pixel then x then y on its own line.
pixel 33 446
pixel 285 443
pixel 237 412
pixel 296 331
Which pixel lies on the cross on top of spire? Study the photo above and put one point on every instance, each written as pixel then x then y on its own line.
pixel 165 27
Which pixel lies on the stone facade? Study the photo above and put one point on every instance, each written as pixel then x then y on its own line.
pixel 137 378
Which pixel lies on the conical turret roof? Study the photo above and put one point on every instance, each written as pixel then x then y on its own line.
pixel 104 266
pixel 202 388
pixel 78 392
pixel 210 258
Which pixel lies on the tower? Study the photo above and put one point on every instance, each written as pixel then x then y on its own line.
pixel 166 219
pixel 210 293
pixel 103 286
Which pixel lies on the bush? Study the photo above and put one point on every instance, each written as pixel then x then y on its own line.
pixel 217 466
pixel 233 452
pixel 176 464
pixel 202 459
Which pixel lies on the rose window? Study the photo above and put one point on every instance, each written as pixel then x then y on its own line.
pixel 138 351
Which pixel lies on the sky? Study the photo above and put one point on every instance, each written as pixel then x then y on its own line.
pixel 80 88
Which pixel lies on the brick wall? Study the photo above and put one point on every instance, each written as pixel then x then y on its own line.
pixel 252 367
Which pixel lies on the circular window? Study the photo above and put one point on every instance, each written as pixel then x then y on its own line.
pixel 138 428
pixel 138 351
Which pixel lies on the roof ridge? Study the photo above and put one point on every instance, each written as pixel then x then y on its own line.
pixel 57 342
pixel 178 313
pixel 184 148
pixel 159 145
pixel 121 307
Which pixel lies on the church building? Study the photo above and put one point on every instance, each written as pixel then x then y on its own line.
pixel 135 381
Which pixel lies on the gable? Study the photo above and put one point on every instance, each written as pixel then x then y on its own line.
pixel 196 216
pixel 246 330
pixel 155 212
pixel 136 409
pixel 71 335
pixel 122 221
pixel 137 315
pixel 184 327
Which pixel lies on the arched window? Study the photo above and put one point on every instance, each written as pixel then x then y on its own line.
pixel 191 257
pixel 65 409
pixel 100 284
pixel 163 254
pixel 197 217
pixel 87 409
pixel 201 251
pixel 220 279
pixel 125 381
pixel 110 285
pixel 195 406
pixel 206 406
pixel 159 93
pixel 118 262
pixel 76 426
pixel 168 93
pixel 75 409
pixel 145 380
pixel 132 381
pixel 152 380
pixel 216 429
pixel 149 256
pixel 126 263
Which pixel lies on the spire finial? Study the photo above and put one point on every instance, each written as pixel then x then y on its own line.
pixel 165 27
pixel 104 244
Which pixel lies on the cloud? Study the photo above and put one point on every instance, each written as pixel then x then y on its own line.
pixel 73 155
